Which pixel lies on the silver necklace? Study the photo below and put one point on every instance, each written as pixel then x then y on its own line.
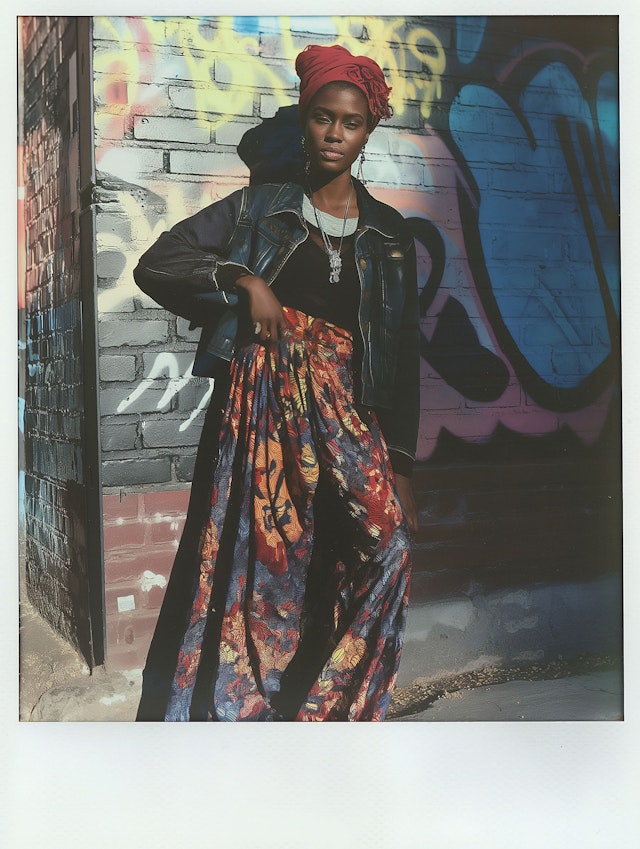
pixel 335 260
pixel 331 225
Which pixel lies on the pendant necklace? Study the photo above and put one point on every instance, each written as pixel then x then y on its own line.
pixel 335 260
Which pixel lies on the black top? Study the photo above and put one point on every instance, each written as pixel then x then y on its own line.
pixel 303 283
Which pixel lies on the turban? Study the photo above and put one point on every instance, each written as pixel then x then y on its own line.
pixel 317 66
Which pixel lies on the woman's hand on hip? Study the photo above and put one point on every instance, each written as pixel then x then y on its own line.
pixel 404 488
pixel 265 309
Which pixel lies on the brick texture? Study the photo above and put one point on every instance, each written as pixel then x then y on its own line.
pixel 487 527
pixel 55 496
pixel 142 532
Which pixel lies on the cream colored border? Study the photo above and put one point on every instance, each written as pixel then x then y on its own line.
pixel 402 786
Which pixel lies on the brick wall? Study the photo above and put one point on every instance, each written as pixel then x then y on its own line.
pixel 494 155
pixel 141 535
pixel 55 492
pixel 517 261
pixel 487 526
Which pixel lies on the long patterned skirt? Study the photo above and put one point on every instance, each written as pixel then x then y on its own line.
pixel 301 598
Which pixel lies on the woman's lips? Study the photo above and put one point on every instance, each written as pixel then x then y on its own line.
pixel 331 155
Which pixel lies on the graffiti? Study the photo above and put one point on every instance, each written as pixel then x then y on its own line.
pixel 414 71
pixel 58 564
pixel 122 294
pixel 137 75
pixel 469 34
pixel 548 228
pixel 118 252
pixel 510 190
pixel 503 158
pixel 166 363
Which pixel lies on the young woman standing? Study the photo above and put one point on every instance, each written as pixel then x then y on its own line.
pixel 289 594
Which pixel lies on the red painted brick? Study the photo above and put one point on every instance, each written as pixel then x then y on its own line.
pixel 158 559
pixel 122 568
pixel 173 502
pixel 128 638
pixel 123 536
pixel 124 656
pixel 115 507
pixel 129 566
pixel 116 591
pixel 154 598
pixel 165 532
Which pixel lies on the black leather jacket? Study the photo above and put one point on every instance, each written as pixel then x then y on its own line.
pixel 191 271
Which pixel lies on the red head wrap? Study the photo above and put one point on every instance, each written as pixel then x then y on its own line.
pixel 316 66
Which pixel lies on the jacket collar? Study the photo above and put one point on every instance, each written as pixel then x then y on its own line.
pixel 373 213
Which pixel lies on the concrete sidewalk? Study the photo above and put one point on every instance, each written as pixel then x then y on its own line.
pixel 594 696
pixel 55 683
pixel 55 686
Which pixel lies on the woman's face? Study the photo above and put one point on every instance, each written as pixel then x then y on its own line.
pixel 336 127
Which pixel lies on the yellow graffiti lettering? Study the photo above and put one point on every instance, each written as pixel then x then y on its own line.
pixel 142 63
pixel 382 40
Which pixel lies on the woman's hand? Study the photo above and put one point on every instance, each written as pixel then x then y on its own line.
pixel 404 488
pixel 264 308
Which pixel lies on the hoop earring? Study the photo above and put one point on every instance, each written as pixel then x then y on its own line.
pixel 359 174
pixel 305 156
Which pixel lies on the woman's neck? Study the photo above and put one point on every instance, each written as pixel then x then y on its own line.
pixel 332 196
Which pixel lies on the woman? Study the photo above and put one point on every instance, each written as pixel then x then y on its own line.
pixel 288 597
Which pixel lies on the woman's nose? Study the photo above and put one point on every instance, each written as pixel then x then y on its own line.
pixel 333 133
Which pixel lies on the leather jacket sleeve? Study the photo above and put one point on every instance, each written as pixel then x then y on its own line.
pixel 190 261
pixel 400 424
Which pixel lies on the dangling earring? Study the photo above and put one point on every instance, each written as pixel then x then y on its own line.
pixel 305 156
pixel 359 174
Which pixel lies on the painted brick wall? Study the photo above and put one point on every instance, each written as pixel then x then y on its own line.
pixel 141 534
pixel 166 145
pixel 502 154
pixel 490 525
pixel 55 497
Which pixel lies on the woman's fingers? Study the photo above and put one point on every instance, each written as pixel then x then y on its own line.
pixel 274 329
pixel 265 309
pixel 270 328
pixel 270 332
pixel 284 326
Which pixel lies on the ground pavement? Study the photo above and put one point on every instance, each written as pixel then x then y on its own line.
pixel 56 686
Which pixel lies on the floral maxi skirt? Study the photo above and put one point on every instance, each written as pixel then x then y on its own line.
pixel 300 603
